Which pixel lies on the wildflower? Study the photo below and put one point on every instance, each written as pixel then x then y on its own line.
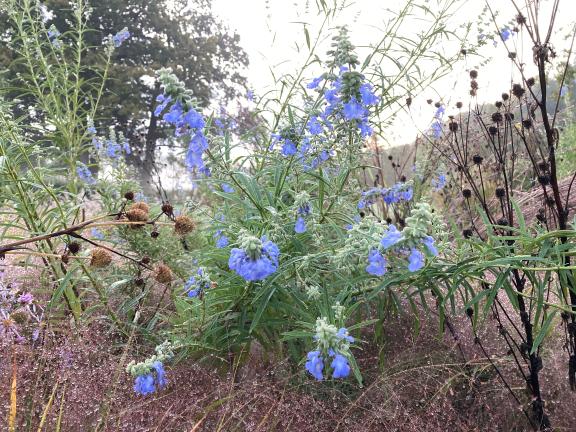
pixel 315 82
pixel 96 233
pixel 250 95
pixel 195 285
pixel 314 126
pixel 365 128
pixel 300 226
pixel 85 174
pixel 163 103
pixel 343 334
pixel 221 241
pixel 391 237
pixel 160 374
pixel 353 110
pixel 376 263
pixel 505 34
pixel 289 148
pixel 436 129
pixel 257 260
pixel 315 365
pixel 415 260
pixel 368 96
pixel 428 241
pixel 144 384
pixel 227 188
pixel 26 298
pixel 440 182
pixel 340 366
pixel 120 37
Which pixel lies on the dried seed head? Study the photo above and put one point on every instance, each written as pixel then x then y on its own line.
pixel 139 281
pixel 463 51
pixel 145 260
pixel 467 233
pixel 470 312
pixel 500 192
pixel 154 234
pixel 100 258
pixel 520 19
pixel 498 104
pixel 403 179
pixel 390 157
pixel 472 92
pixel 477 159
pixel 408 101
pixel 544 180
pixel 512 55
pixel 459 105
pixel 530 82
pixel 497 117
pixel 74 247
pixel 518 90
pixel 543 166
pixel 437 104
pixel 509 116
pixel 502 221
pixel 473 74
pixel 140 205
pixel 505 96
pixel 163 274
pixel 453 126
pixel 129 196
pixel 493 130
pixel 527 123
pixel 167 209
pixel 474 84
pixel 183 225
pixel 137 215
pixel 541 217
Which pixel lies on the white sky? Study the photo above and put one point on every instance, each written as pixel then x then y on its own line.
pixel 270 29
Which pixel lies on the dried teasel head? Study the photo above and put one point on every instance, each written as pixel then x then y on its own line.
pixel 167 209
pixel 129 196
pixel 100 258
pixel 183 225
pixel 163 274
pixel 518 90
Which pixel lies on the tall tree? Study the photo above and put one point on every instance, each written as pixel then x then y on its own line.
pixel 181 34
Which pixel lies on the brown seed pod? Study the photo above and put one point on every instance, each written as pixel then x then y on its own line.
pixel 129 196
pixel 74 247
pixel 137 215
pixel 163 274
pixel 100 258
pixel 140 205
pixel 183 225
pixel 167 209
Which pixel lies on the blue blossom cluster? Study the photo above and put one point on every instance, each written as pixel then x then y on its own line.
pixel 147 383
pixel 84 174
pixel 187 121
pixel 302 212
pixel 112 147
pixel 439 182
pixel 346 97
pixel 392 195
pixel 256 260
pixel 436 127
pixel 122 36
pixel 197 284
pixel 333 347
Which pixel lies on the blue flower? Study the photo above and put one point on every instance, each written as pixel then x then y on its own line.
pixel 164 101
pixel 376 263
pixel 353 110
pixel 315 82
pixel 194 120
pixel 160 374
pixel 343 334
pixel 368 96
pixel 120 37
pixel 505 34
pixel 407 194
pixel 84 174
pixel 365 128
pixel 222 242
pixel 250 95
pixel 289 148
pixel 340 366
pixel 300 226
pixel 439 183
pixel 258 268
pixel 436 129
pixel 391 237
pixel 227 188
pixel 314 126
pixel 429 243
pixel 415 260
pixel 315 365
pixel 144 384
pixel 96 233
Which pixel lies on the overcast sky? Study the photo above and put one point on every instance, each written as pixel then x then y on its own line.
pixel 270 29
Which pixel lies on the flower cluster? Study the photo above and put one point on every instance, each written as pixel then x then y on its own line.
pixel 256 259
pixel 111 147
pixel 197 284
pixel 119 38
pixel 54 36
pixel 302 204
pixel 332 343
pixel 436 127
pixel 149 375
pixel 186 120
pixel 18 308
pixel 84 174
pixel 392 195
